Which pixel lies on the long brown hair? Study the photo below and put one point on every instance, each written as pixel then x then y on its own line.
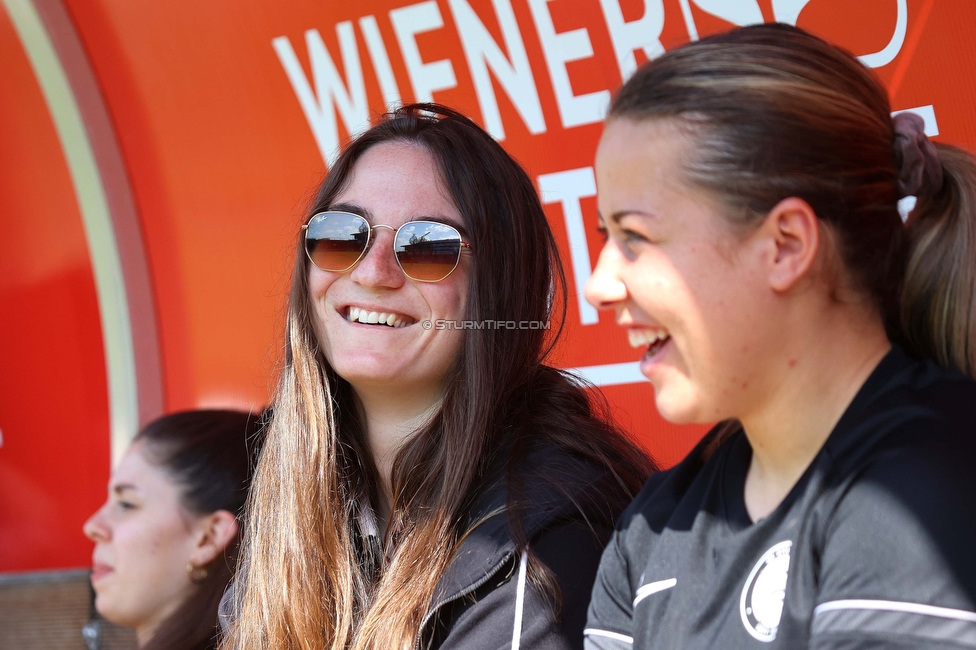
pixel 308 579
pixel 209 454
pixel 776 112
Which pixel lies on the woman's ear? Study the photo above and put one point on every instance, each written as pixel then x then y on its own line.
pixel 794 231
pixel 215 533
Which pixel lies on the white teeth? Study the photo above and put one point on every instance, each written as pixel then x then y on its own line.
pixel 641 338
pixel 357 314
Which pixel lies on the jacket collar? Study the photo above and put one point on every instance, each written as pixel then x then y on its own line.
pixel 548 484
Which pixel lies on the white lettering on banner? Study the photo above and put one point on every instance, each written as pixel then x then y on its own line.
pixel 891 50
pixel 689 20
pixel 381 61
pixel 644 33
pixel 330 92
pixel 426 78
pixel 610 374
pixel 515 76
pixel 567 188
pixel 324 91
pixel 747 12
pixel 788 11
pixel 558 50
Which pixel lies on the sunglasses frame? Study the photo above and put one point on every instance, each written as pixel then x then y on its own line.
pixel 465 246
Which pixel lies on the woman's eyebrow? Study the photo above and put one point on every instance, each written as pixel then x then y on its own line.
pixel 620 214
pixel 363 212
pixel 122 487
pixel 352 207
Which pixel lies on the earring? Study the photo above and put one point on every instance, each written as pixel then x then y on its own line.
pixel 197 574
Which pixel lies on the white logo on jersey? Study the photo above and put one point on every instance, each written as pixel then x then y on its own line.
pixel 761 605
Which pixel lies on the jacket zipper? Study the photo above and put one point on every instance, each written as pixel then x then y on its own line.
pixel 461 594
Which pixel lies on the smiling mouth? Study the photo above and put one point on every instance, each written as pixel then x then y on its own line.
pixel 653 339
pixel 387 319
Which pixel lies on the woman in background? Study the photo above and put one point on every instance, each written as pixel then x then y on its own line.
pixel 428 481
pixel 166 539
pixel 749 185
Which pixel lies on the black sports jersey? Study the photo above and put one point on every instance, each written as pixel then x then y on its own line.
pixel 874 547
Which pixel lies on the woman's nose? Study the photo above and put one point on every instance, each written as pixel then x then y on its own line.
pixel 604 288
pixel 95 528
pixel 379 267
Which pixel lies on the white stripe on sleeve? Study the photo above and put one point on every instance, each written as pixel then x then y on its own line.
pixel 597 639
pixel 653 587
pixel 928 624
pixel 896 606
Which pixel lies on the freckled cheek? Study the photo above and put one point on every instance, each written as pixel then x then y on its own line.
pixel 723 369
pixel 163 559
pixel 319 282
pixel 150 539
pixel 651 292
pixel 441 349
pixel 130 550
pixel 460 305
pixel 447 301
pixel 145 542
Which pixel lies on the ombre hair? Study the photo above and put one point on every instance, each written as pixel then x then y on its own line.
pixel 308 578
pixel 774 112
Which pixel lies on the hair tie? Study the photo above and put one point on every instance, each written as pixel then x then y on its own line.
pixel 919 167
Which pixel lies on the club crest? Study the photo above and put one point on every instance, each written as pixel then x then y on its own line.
pixel 761 604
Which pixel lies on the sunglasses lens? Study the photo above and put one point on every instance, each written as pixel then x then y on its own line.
pixel 336 240
pixel 427 250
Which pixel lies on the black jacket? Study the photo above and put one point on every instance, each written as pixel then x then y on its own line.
pixel 566 509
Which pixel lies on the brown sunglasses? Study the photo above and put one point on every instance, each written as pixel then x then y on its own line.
pixel 427 251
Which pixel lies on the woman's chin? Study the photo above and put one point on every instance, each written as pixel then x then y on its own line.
pixel 677 408
pixel 367 369
pixel 364 379
pixel 107 609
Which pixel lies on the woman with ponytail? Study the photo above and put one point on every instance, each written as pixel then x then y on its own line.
pixel 749 187
pixel 427 481
pixel 167 537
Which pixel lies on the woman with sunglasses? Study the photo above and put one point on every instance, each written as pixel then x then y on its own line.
pixel 749 186
pixel 427 480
